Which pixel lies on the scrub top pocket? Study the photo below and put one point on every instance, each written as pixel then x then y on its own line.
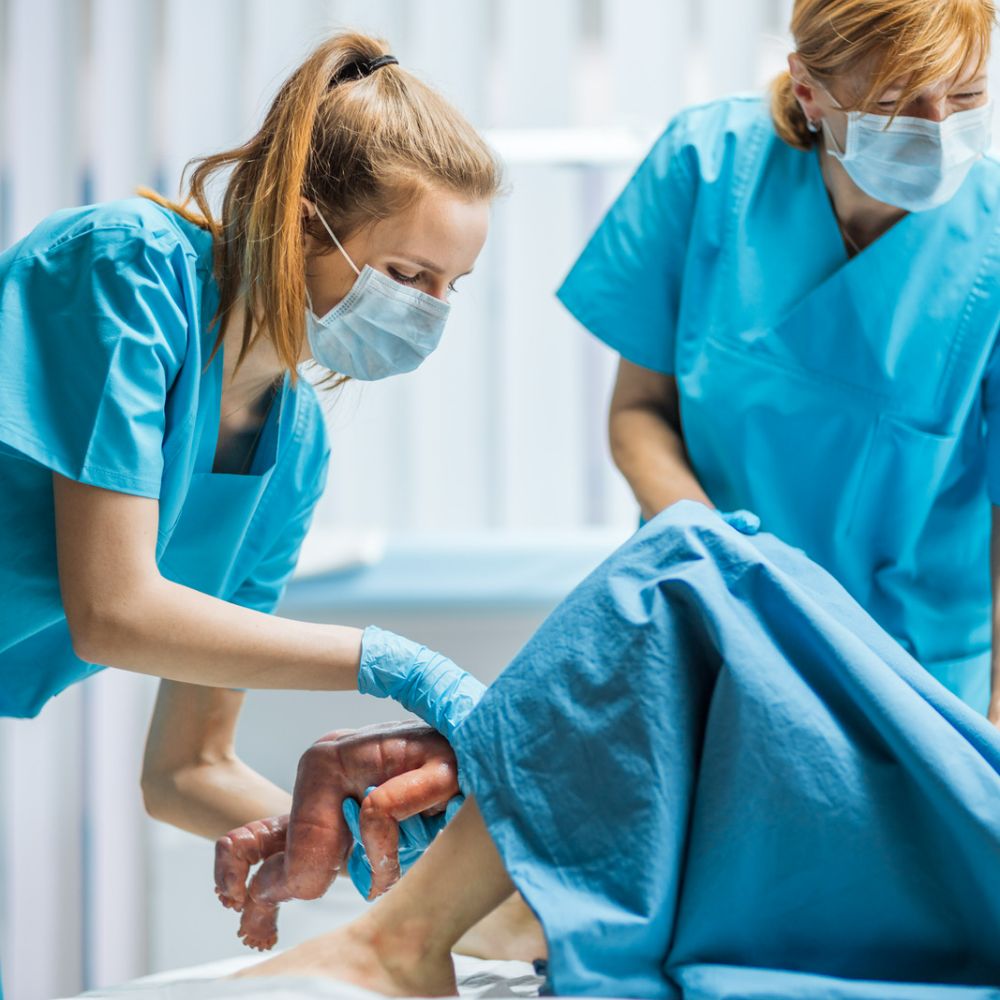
pixel 902 475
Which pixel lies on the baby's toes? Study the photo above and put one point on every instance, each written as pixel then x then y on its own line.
pixel 261 943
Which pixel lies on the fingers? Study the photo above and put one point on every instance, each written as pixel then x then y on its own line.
pixel 430 786
pixel 239 850
pixel 380 837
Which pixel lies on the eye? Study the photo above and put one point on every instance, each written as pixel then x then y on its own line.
pixel 403 279
pixel 451 287
pixel 970 95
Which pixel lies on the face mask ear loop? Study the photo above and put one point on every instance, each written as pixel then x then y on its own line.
pixel 337 242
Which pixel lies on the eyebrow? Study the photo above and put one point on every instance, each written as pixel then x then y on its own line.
pixel 429 266
pixel 420 262
pixel 890 93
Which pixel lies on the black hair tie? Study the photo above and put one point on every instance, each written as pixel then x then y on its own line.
pixel 361 68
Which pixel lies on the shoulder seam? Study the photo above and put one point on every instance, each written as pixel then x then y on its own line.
pixel 169 240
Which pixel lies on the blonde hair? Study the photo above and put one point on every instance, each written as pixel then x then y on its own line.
pixel 361 144
pixel 913 42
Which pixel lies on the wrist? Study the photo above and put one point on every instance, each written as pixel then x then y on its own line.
pixel 425 683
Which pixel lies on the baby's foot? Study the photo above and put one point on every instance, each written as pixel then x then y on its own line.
pixel 259 925
pixel 357 954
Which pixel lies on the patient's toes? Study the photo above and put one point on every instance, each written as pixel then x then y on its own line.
pixel 260 944
pixel 259 926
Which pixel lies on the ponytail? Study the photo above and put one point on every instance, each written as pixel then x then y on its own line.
pixel 362 144
pixel 790 121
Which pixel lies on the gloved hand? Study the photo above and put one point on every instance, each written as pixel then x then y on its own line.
pixel 744 521
pixel 415 835
pixel 424 682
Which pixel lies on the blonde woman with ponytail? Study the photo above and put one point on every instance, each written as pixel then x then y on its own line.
pixel 803 293
pixel 160 455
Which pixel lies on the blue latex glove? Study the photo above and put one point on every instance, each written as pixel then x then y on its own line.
pixel 744 521
pixel 415 835
pixel 425 683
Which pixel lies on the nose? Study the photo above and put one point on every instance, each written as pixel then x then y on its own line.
pixel 932 110
pixel 438 288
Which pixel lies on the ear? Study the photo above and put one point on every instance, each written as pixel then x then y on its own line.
pixel 307 215
pixel 803 89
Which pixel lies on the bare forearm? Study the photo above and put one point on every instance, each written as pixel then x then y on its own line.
pixel 171 631
pixel 651 456
pixel 212 799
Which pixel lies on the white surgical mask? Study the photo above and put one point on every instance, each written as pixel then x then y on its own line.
pixel 912 163
pixel 380 328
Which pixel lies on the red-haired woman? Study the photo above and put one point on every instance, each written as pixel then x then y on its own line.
pixel 159 457
pixel 805 301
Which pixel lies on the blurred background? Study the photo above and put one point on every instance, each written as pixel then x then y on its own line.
pixel 463 502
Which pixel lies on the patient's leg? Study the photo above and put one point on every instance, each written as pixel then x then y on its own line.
pixel 401 946
pixel 511 931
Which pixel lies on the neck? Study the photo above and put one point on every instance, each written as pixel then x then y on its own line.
pixel 245 386
pixel 860 215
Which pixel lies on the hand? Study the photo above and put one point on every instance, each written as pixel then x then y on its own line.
pixel 425 683
pixel 744 521
pixel 415 836
pixel 414 771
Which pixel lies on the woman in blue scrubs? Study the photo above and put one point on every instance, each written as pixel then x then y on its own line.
pixel 805 300
pixel 160 457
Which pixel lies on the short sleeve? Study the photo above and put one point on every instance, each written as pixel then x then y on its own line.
pixel 263 588
pixel 625 288
pixel 991 415
pixel 93 329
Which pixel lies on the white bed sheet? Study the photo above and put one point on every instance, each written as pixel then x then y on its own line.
pixel 476 978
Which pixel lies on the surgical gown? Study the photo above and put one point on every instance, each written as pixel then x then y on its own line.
pixel 105 340
pixel 712 775
pixel 853 404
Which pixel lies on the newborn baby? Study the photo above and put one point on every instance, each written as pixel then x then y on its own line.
pixel 414 770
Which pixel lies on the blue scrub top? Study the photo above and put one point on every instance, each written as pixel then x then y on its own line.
pixel 853 404
pixel 104 335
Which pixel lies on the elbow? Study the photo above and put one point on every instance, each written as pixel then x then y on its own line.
pixel 94 632
pixel 621 437
pixel 159 788
pixel 89 633
pixel 103 629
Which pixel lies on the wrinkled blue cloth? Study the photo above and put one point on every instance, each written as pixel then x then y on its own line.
pixel 711 774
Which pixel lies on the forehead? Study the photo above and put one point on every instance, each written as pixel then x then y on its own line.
pixel 440 226
pixel 971 67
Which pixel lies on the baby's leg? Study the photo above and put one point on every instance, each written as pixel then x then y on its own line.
pixel 402 945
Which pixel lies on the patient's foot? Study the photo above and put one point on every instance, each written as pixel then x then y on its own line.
pixel 510 932
pixel 259 925
pixel 398 964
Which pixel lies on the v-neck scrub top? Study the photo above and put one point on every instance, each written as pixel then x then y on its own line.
pixel 104 339
pixel 853 404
